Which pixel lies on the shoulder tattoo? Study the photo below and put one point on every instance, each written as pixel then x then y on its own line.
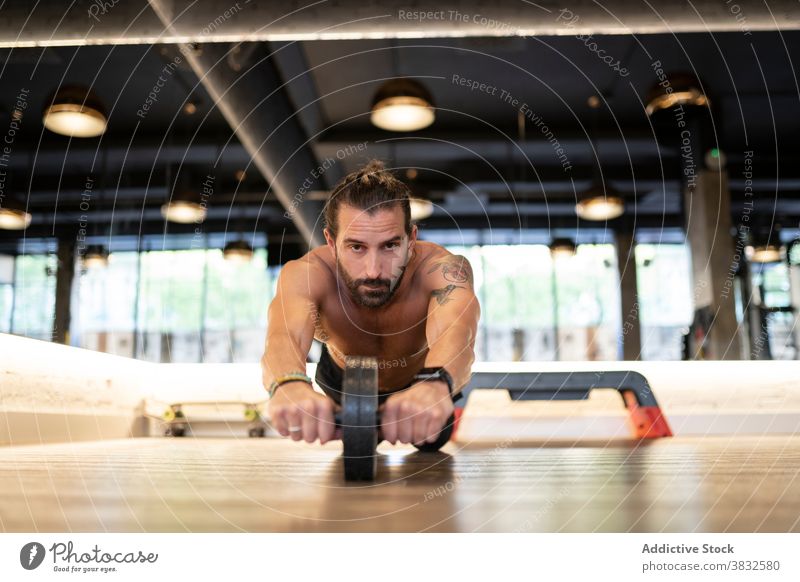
pixel 443 295
pixel 455 269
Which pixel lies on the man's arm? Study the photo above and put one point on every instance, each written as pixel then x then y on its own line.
pixel 295 410
pixel 418 414
pixel 453 314
pixel 290 322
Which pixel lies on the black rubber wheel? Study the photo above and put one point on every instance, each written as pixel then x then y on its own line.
pixel 359 418
pixel 176 431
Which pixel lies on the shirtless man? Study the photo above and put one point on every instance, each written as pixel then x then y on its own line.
pixel 372 290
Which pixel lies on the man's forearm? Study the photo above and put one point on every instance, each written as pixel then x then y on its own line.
pixel 282 356
pixel 454 351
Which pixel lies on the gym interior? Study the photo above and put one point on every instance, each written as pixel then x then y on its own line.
pixel 623 180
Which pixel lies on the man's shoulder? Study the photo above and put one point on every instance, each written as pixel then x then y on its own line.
pixel 311 270
pixel 429 251
pixel 439 265
pixel 319 259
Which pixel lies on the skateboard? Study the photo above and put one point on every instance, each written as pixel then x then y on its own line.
pixel 177 422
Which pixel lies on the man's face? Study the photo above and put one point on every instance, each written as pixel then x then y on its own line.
pixel 372 251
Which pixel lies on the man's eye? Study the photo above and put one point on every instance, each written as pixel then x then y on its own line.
pixel 392 245
pixel 355 248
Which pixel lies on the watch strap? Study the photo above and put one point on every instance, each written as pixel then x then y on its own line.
pixel 430 373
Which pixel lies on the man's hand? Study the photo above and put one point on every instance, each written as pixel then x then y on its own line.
pixel 298 411
pixel 417 414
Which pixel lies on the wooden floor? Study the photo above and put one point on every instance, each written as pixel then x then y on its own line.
pixel 736 484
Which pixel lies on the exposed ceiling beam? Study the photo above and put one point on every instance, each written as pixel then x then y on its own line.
pixel 88 22
pixel 251 96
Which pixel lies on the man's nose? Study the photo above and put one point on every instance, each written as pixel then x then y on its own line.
pixel 373 266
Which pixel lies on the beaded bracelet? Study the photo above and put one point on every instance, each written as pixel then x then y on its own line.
pixel 290 377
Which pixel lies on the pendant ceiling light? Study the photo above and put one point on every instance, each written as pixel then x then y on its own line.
pixel 765 246
pixel 96 256
pixel 684 90
pixel 767 253
pixel 183 211
pixel 238 251
pixel 13 215
pixel 184 208
pixel 600 201
pixel 420 208
pixel 402 105
pixel 75 112
pixel 562 248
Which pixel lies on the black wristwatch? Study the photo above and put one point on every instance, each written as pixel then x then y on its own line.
pixel 427 374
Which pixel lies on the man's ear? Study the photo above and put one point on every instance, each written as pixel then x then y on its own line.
pixel 412 239
pixel 330 240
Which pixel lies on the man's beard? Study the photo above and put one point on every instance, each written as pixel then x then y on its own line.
pixel 379 295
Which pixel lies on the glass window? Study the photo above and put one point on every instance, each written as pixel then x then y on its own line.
pixel 517 303
pixel 35 289
pixel 236 308
pixel 193 305
pixel 171 306
pixel 663 273
pixel 772 281
pixel 587 287
pixel 6 292
pixel 517 291
pixel 104 319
